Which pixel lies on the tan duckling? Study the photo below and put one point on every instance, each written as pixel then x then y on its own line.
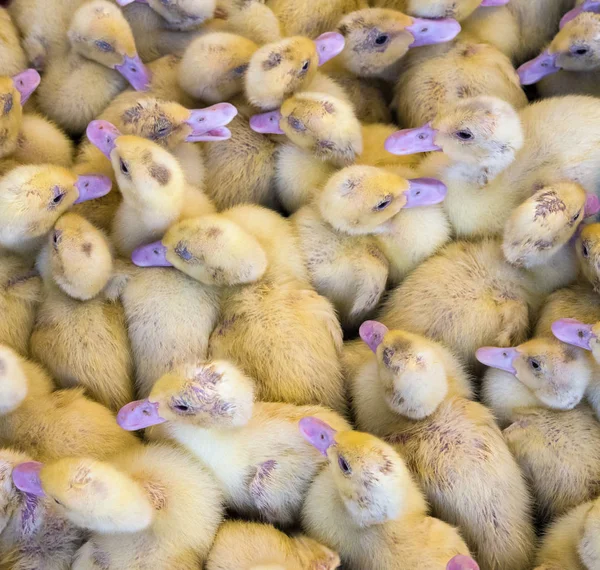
pixel 466 296
pixel 252 19
pixel 33 197
pixel 415 394
pixel 49 425
pixel 252 546
pixel 365 505
pixel 12 55
pixel 150 506
pixel 252 255
pixel 101 60
pixel 571 543
pixel 253 450
pixel 32 533
pixel 75 315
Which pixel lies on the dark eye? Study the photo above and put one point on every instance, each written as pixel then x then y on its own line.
pixel 464 135
pixel 585 251
pixel 56 237
pixel 296 124
pixel 57 502
pixel 124 168
pixel 104 46
pixel 306 65
pixel 534 364
pixel 383 204
pixel 58 199
pixel 344 466
pixel 382 39
pixel 580 51
pixel 575 217
pixel 181 407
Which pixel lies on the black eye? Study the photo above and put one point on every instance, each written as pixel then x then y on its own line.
pixel 124 168
pixel 580 51
pixel 534 364
pixel 56 237
pixel 182 407
pixel 383 204
pixel 585 251
pixel 464 135
pixel 104 46
pixel 382 39
pixel 58 199
pixel 344 466
pixel 306 65
pixel 575 217
pixel 57 502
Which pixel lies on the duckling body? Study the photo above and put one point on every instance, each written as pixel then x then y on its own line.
pixel 41 142
pixel 13 57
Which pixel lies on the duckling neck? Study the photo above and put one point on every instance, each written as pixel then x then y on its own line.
pixel 480 174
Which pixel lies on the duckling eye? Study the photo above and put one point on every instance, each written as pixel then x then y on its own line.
pixel 306 65
pixel 465 135
pixel 57 199
pixel 575 217
pixel 124 168
pixel 104 46
pixel 344 466
pixel 296 124
pixel 382 39
pixel 56 237
pixel 534 364
pixel 383 204
pixel 182 408
pixel 58 502
pixel 580 51
pixel 585 251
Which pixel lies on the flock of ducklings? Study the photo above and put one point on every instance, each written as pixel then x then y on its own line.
pixel 347 345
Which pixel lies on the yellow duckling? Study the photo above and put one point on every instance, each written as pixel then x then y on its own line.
pixel 13 57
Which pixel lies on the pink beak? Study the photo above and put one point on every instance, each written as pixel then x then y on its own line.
pixel 26 83
pixel 372 333
pixel 428 31
pixel 267 123
pixel 538 68
pixel 317 433
pixel 139 415
pixel 573 332
pixel 412 141
pixel 329 45
pixel 501 358
pixel 151 255
pixel 134 70
pixel 587 6
pixel 26 478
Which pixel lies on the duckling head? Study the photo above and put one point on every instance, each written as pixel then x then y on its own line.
pixel 77 257
pixel 92 494
pixel 556 373
pixel 179 15
pixel 412 375
pixel 457 9
pixel 547 221
pixel 476 131
pixel 277 70
pixel 361 199
pixel 321 124
pixel 371 479
pixel 14 92
pixel 212 394
pixel 13 380
pixel 588 254
pixel 210 249
pixel 376 39
pixel 33 197
pixel 576 47
pixel 579 334
pixel 100 32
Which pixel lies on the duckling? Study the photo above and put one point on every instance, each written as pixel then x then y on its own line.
pixel 12 55
pixel 278 70
pixel 377 39
pixel 152 506
pixel 252 256
pixel 165 27
pixel 32 533
pixel 466 296
pixel 77 264
pixel 365 505
pixel 102 58
pixel 33 197
pixel 152 183
pixel 49 425
pixel 357 236
pixel 569 65
pixel 498 158
pixel 460 10
pixel 252 19
pixel 252 546
pixel 213 66
pixel 571 542
pixel 413 388
pixel 21 288
pixel 431 81
pixel 40 141
pixel 253 450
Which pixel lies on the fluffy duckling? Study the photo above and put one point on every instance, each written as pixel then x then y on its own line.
pixel 253 450
pixel 278 70
pixel 361 233
pixel 33 197
pixel 102 58
pixel 458 9
pixel 214 65
pixel 431 81
pixel 152 506
pixel 153 185
pixel 571 543
pixel 12 55
pixel 165 27
pixel 466 296
pixel 252 546
pixel 49 425
pixel 74 315
pixel 32 533
pixel 365 505
pixel 377 39
pixel 252 19
pixel 413 388
pixel 252 255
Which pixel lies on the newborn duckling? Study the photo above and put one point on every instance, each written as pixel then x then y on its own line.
pixel 102 58
pixel 49 425
pixel 466 296
pixel 252 19
pixel 12 56
pixel 570 64
pixel 152 183
pixel 252 255
pixel 74 315
pixel 252 546
pixel 413 388
pixel 152 506
pixel 278 70
pixel 32 533
pixel 33 197
pixel 365 505
pixel 377 39
pixel 253 450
